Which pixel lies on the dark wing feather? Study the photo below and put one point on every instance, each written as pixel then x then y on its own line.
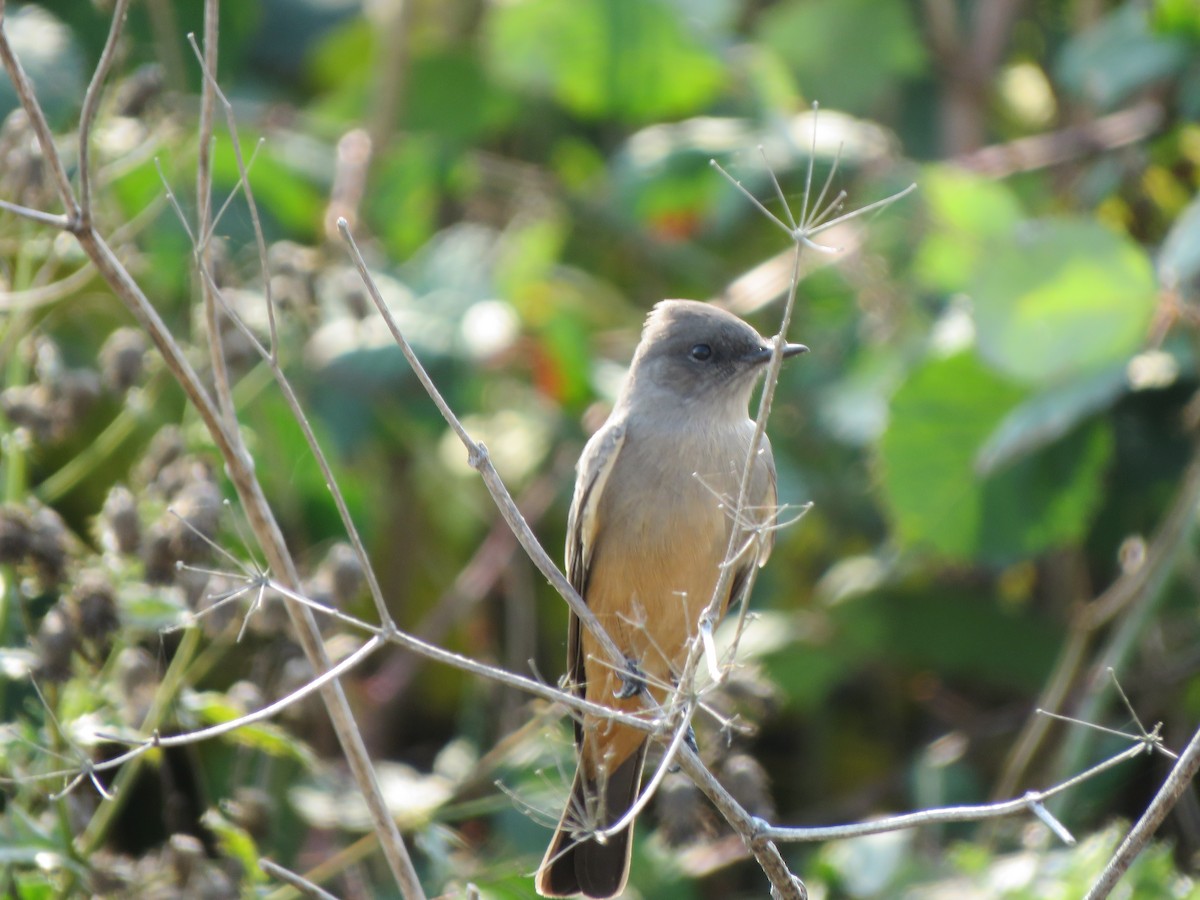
pixel 595 465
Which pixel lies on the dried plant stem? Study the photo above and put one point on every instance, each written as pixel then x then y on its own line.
pixel 1178 781
pixel 1129 599
pixel 238 464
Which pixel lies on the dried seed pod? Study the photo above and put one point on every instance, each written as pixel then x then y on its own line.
pixel 165 447
pixel 197 515
pixel 123 359
pixel 48 546
pixel 138 676
pixel 681 811
pixel 30 406
pixel 16 535
pixel 55 643
pixel 94 608
pixel 75 394
pixel 158 558
pixel 120 527
pixel 141 89
pixel 343 573
pixel 745 778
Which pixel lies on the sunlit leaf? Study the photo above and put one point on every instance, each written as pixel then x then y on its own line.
pixel 966 212
pixel 845 53
pixel 450 95
pixel 629 59
pixel 939 419
pixel 1061 296
pixel 236 843
pixel 213 708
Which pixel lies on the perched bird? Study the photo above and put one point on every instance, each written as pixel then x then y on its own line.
pixel 650 525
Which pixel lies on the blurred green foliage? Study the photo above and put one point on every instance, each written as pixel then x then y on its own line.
pixel 995 421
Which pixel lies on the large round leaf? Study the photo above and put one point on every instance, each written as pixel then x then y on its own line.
pixel 937 498
pixel 1059 297
pixel 629 59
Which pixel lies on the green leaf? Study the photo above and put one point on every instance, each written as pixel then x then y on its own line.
pixel 1178 17
pixel 937 500
pixel 1119 56
pixel 1047 416
pixel 627 59
pixel 236 843
pixel 285 195
pixel 451 96
pixel 403 205
pixel 213 708
pixel 966 213
pixel 845 53
pixel 939 419
pixel 1179 258
pixel 1059 297
pixel 1047 500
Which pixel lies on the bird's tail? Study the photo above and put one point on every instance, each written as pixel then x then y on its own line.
pixel 586 866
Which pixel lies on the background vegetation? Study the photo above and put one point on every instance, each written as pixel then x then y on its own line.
pixel 996 426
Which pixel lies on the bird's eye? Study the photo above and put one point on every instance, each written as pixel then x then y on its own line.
pixel 701 352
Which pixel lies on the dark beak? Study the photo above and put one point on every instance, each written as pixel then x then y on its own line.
pixel 790 350
pixel 763 354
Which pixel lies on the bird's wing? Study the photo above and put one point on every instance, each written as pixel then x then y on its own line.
pixel 595 466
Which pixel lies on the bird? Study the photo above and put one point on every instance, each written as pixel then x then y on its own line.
pixel 651 520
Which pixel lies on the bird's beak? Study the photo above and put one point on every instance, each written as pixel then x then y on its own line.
pixel 790 350
pixel 763 354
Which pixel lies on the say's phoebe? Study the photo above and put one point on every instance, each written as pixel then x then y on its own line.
pixel 650 524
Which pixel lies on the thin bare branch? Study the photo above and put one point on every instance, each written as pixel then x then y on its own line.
pixel 1178 781
pixel 299 882
pixel 480 460
pixel 91 103
pixel 36 215
pixel 973 813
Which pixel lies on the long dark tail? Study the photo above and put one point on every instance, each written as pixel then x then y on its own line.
pixel 588 867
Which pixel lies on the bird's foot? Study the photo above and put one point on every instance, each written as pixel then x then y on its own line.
pixel 633 682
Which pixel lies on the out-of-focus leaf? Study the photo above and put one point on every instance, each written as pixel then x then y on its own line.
pixel 288 29
pixel 235 842
pixel 343 60
pixel 939 419
pixel 865 866
pixel 1177 17
pixel 404 202
pixel 152 609
pixel 966 212
pixel 628 59
pixel 955 633
pixel 451 96
pixel 51 58
pixel 846 53
pixel 213 708
pixel 1046 500
pixel 1048 415
pixel 1179 258
pixel 1119 56
pixel 283 193
pixel 1059 297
